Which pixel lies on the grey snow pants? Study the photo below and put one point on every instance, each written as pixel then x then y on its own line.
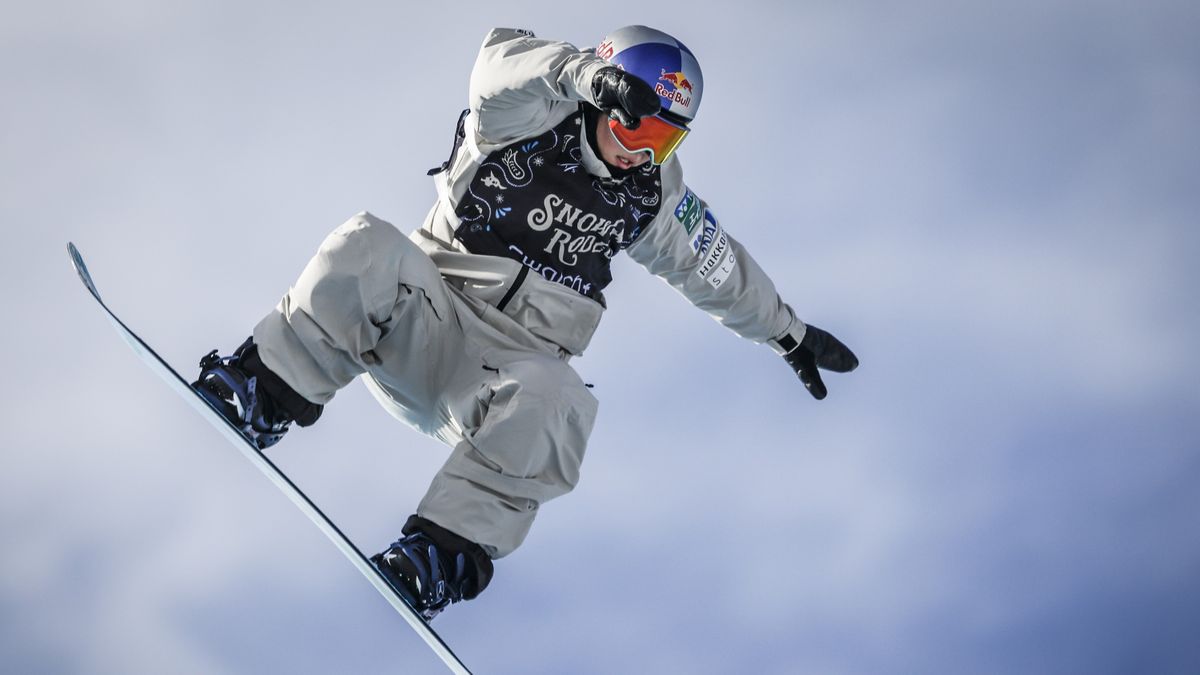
pixel 373 304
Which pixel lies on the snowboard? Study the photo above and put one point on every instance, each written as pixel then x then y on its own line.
pixel 256 457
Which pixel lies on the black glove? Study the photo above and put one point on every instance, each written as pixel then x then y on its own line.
pixel 819 349
pixel 626 98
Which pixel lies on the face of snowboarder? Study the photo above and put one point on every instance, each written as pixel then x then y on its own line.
pixel 612 152
pixel 658 134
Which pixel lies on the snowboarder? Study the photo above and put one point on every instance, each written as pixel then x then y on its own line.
pixel 465 328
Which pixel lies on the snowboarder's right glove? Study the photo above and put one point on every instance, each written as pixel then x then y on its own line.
pixel 818 349
pixel 626 98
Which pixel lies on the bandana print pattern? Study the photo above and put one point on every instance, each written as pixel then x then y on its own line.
pixel 533 202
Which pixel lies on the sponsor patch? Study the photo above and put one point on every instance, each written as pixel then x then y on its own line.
pixel 688 211
pixel 706 235
pixel 718 262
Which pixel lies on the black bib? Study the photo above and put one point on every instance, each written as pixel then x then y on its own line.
pixel 534 202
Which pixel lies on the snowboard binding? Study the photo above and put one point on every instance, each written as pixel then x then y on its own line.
pixel 432 568
pixel 241 389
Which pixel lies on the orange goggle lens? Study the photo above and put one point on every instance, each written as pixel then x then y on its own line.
pixel 655 134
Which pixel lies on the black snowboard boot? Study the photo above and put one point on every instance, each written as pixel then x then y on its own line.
pixel 431 567
pixel 257 401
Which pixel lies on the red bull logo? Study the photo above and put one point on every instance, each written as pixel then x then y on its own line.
pixel 680 82
pixel 678 79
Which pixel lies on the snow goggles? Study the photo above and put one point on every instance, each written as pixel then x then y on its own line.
pixel 656 135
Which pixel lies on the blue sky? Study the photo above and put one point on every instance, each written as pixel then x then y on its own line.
pixel 994 204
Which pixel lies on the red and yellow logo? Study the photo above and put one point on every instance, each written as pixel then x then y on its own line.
pixel 678 79
pixel 679 83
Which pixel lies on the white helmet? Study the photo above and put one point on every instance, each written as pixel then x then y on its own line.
pixel 662 62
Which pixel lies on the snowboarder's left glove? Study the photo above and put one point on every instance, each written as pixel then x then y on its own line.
pixel 626 98
pixel 818 349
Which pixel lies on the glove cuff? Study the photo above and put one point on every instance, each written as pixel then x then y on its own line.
pixel 588 75
pixel 786 343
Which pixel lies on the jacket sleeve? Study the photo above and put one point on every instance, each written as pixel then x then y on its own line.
pixel 518 79
pixel 688 248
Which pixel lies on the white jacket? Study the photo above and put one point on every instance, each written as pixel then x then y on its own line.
pixel 521 87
